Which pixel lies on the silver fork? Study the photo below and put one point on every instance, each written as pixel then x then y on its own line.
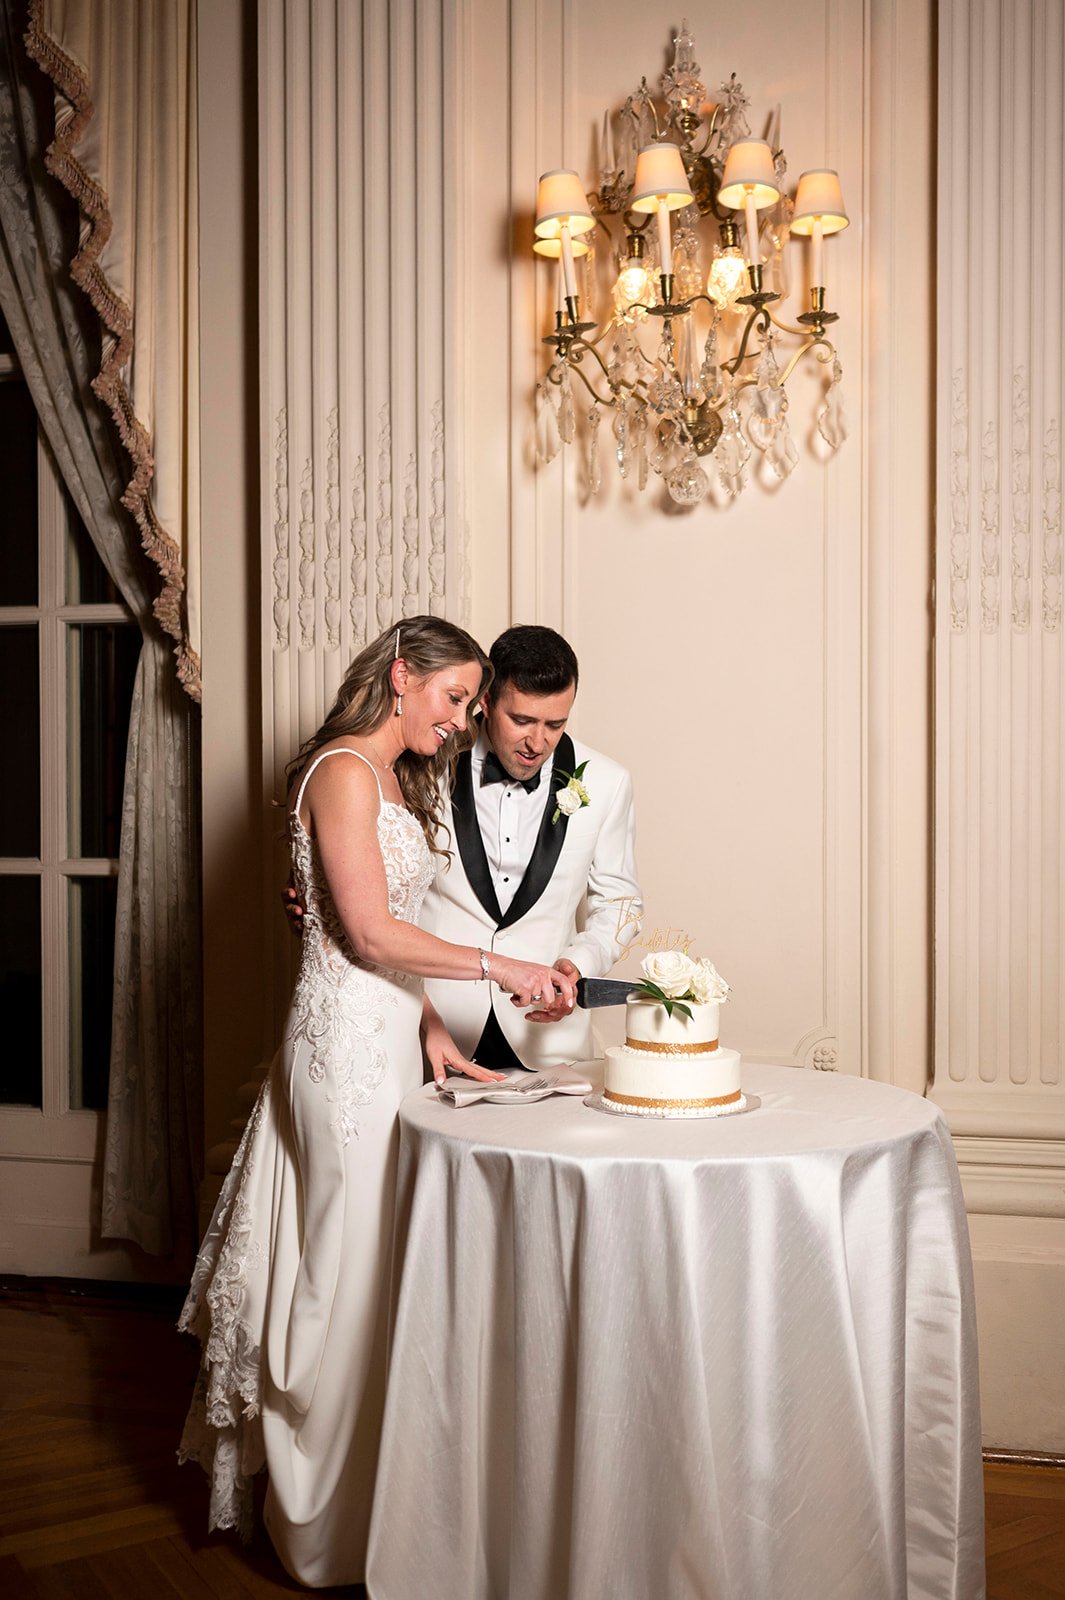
pixel 531 1086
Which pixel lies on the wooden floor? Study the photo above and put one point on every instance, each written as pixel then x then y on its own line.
pixel 93 1506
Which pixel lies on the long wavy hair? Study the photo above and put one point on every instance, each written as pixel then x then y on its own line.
pixel 366 700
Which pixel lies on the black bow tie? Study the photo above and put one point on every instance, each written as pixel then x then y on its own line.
pixel 494 771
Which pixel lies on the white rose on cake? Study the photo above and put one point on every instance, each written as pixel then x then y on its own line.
pixel 707 983
pixel 671 970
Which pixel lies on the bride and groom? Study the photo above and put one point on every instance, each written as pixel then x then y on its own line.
pixel 427 870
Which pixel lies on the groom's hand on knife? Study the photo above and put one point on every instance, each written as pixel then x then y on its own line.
pixel 558 1008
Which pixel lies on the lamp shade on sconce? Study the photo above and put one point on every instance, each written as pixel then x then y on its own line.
pixel 749 171
pixel 552 248
pixel 660 176
pixel 819 196
pixel 560 199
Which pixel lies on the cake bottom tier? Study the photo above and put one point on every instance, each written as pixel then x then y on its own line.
pixel 646 1084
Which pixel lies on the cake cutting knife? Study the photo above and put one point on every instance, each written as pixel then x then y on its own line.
pixel 593 992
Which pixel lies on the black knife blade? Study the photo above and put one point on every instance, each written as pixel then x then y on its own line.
pixel 594 992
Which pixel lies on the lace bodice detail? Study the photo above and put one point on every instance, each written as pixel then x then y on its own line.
pixel 408 869
pixel 340 1003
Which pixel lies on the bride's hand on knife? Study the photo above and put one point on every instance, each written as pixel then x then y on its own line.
pixel 528 983
pixel 552 1009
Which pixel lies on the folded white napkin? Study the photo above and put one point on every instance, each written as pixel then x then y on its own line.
pixel 516 1089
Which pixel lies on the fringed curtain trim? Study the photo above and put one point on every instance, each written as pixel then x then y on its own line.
pixel 117 319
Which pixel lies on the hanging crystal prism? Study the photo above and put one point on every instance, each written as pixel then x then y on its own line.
pixel 781 452
pixel 623 436
pixel 665 394
pixel 567 422
pixel 595 476
pixel 639 436
pixel 548 442
pixel 767 401
pixel 733 451
pixel 832 418
pixel 710 376
pixel 664 452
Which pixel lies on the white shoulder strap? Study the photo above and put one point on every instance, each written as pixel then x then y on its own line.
pixel 324 756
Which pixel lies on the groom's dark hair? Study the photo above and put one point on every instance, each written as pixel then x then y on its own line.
pixel 535 660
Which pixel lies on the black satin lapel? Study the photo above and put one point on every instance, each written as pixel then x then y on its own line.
pixel 549 840
pixel 468 837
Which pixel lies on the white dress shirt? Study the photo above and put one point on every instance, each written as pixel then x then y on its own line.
pixel 509 820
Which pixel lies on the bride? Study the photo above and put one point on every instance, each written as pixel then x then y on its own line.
pixel 287 1294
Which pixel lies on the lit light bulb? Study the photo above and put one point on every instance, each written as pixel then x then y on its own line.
pixel 727 278
pixel 636 284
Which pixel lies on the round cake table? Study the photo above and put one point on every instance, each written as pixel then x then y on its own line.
pixel 727 1359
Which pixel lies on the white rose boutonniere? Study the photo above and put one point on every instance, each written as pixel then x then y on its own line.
pixel 573 796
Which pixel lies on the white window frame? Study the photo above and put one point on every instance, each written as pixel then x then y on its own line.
pixel 56 1129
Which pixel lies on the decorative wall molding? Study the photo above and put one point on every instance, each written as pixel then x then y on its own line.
pixel 1013 1177
pixel 1000 808
pixel 360 404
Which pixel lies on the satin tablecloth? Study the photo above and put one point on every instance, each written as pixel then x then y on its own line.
pixel 682 1360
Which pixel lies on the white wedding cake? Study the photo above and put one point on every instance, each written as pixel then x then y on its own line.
pixel 672 1063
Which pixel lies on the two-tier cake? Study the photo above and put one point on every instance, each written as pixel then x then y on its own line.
pixel 672 1063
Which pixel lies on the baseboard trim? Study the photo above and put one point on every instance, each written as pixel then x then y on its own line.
pixel 1022 1458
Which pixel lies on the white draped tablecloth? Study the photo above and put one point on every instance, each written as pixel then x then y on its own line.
pixel 728 1359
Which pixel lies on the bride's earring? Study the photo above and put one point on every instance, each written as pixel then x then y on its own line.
pixel 399 705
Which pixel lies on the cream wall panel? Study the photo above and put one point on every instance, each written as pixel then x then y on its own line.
pixel 725 651
pixel 999 884
pixel 1019 1269
pixel 1001 806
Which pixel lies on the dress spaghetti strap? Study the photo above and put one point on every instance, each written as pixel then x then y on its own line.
pixel 324 755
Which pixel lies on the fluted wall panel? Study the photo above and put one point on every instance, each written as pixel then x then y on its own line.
pixel 1000 950
pixel 360 500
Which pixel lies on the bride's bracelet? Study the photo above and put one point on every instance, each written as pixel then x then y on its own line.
pixel 483 957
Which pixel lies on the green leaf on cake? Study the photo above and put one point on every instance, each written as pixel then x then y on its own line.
pixel 651 991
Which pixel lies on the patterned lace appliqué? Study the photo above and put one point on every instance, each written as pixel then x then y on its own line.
pixel 339 999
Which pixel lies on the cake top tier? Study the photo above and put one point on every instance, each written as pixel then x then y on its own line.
pixel 688 1029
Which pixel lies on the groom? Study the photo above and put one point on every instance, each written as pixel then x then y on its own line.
pixel 540 868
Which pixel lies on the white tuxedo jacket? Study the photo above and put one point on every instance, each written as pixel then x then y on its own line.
pixel 579 899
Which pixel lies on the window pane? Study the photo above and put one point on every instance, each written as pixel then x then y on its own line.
pixel 87 579
pixel 18 507
pixel 92 956
pixel 101 663
pixel 20 991
pixel 20 716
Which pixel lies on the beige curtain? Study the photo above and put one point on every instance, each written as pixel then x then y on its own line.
pixel 124 78
pixel 66 349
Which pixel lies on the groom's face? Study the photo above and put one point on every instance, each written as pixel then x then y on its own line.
pixel 523 729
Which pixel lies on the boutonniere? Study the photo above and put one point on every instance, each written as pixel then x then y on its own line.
pixel 573 796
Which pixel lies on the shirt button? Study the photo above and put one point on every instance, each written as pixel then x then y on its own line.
pixel 506 880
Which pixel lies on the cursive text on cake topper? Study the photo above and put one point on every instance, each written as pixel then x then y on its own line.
pixel 629 908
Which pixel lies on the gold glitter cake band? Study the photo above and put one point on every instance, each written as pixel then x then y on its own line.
pixel 668 1105
pixel 651 1048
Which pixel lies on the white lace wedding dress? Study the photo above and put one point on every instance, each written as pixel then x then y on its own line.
pixel 287 1291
